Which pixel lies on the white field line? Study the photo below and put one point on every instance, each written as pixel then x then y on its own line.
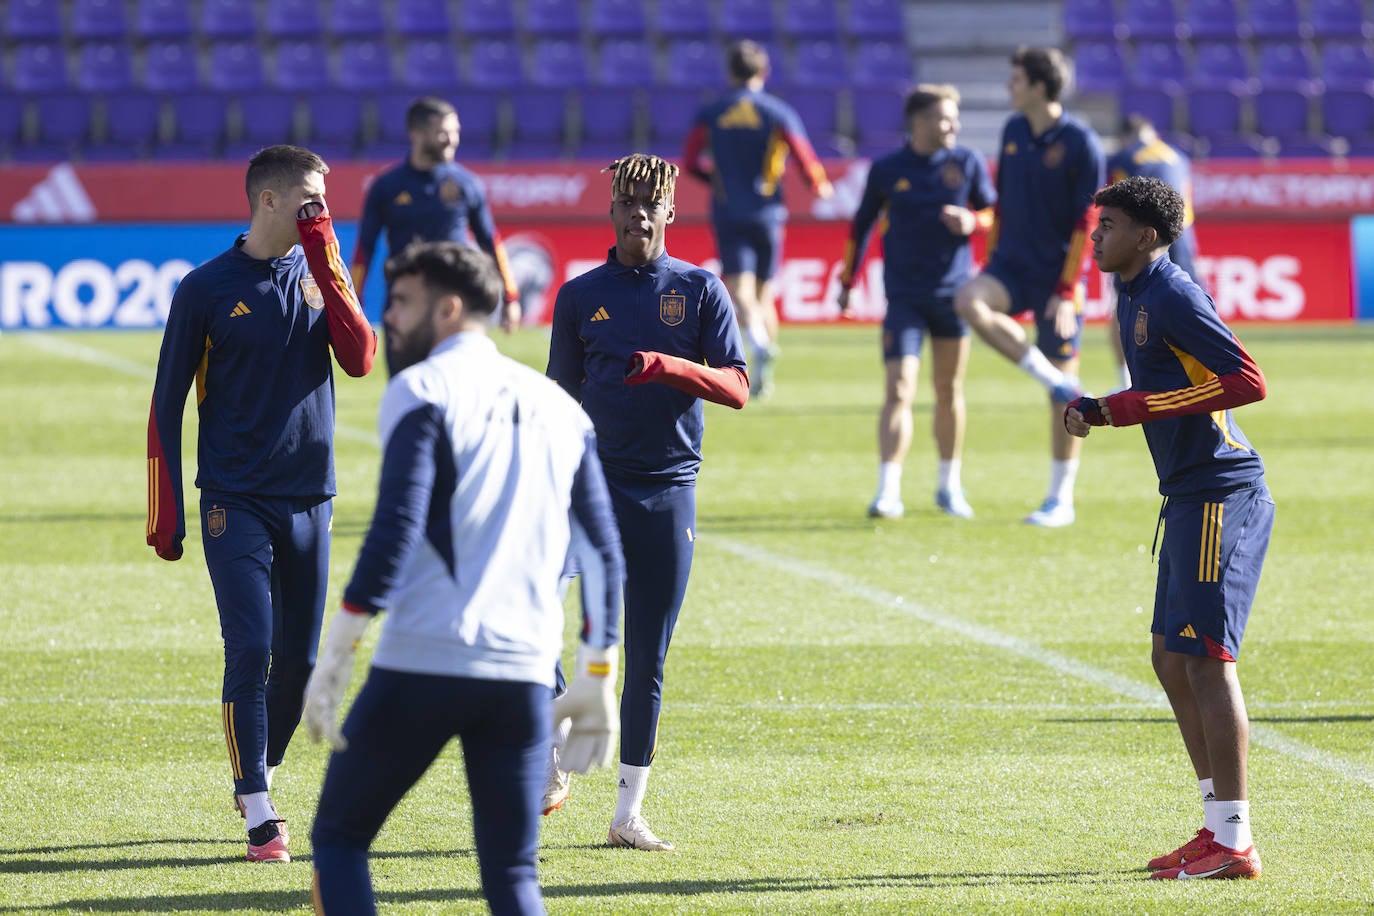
pixel 1148 695
pixel 57 346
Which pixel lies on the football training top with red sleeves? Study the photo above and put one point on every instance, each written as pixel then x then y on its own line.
pixel 255 336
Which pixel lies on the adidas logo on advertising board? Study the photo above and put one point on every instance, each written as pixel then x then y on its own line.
pixel 58 198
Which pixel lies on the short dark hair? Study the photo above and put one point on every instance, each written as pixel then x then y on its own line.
pixel 927 95
pixel 747 59
pixel 425 107
pixel 1134 123
pixel 279 167
pixel 1046 66
pixel 1147 201
pixel 450 267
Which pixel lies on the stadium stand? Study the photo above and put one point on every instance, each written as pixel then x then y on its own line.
pixel 1269 75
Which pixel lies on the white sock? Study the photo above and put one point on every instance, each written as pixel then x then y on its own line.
pixel 1062 477
pixel 258 809
pixel 890 481
pixel 1038 367
pixel 757 332
pixel 1123 375
pixel 560 734
pixel 949 475
pixel 1233 824
pixel 270 771
pixel 633 783
pixel 1204 787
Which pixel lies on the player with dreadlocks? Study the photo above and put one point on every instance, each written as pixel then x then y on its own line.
pixel 641 341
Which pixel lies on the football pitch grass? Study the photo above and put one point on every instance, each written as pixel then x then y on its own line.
pixel 921 716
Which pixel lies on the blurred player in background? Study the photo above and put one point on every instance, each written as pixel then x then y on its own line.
pixel 739 144
pixel 1188 371
pixel 430 198
pixel 932 195
pixel 640 341
pixel 482 458
pixel 1143 152
pixel 254 328
pixel 1049 166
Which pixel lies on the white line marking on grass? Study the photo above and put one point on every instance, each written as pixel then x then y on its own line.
pixel 54 344
pixel 1146 694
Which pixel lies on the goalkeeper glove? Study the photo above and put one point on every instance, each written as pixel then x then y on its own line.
pixel 333 670
pixel 590 704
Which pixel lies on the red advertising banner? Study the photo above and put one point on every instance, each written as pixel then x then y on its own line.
pixel 1256 271
pixel 562 191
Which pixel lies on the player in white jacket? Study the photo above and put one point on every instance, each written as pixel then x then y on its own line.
pixel 486 464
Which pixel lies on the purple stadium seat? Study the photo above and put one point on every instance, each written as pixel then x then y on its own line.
pixel 1157 103
pixel 683 18
pixel 1145 19
pixel 132 118
pixel 1234 146
pixel 617 19
pixel 163 19
pixel 479 113
pixel 1218 62
pixel 391 107
pixel 875 19
pixel 553 17
pixel 1284 63
pixel 558 62
pixel 33 20
pixel 1282 112
pixel 429 62
pixel 1305 147
pixel 810 19
pixel 356 19
pixel 746 19
pixel 819 64
pixel 235 66
pixel 879 122
pixel 539 123
pixel 228 19
pixel 1213 111
pixel 607 119
pixel 1347 112
pixel 1276 19
pixel 670 116
pixel 199 119
pixel 1347 64
pixel 693 62
pixel 104 66
pixel 882 64
pixel 39 67
pixel 363 64
pixel 623 60
pixel 11 119
pixel 64 118
pixel 171 66
pixel 336 119
pixel 267 118
pixel 487 18
pixel 1089 19
pixel 495 63
pixel 1098 66
pixel 1158 63
pixel 301 66
pixel 1212 19
pixel 818 110
pixel 1339 19
pixel 294 19
pixel 421 18
pixel 98 19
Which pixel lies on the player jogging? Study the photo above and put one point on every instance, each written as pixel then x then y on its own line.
pixel 748 134
pixel 1188 371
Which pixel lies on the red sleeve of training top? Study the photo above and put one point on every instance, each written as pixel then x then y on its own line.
pixel 1224 392
pixel 693 162
pixel 728 385
pixel 354 341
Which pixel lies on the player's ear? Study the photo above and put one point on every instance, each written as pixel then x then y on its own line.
pixel 668 217
pixel 1149 238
